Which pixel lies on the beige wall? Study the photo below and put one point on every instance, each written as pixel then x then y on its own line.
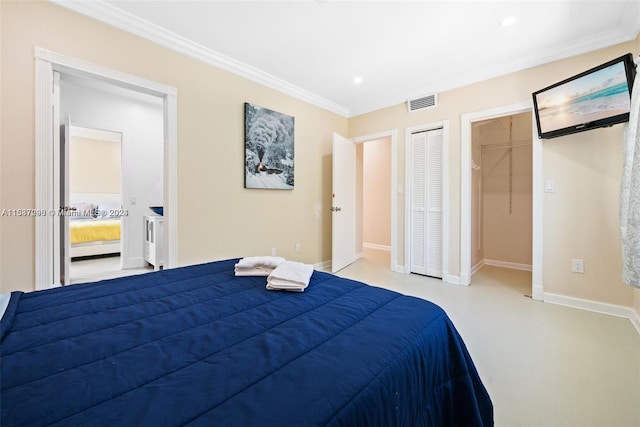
pixel 94 166
pixel 581 216
pixel 217 217
pixel 376 211
pixel 579 221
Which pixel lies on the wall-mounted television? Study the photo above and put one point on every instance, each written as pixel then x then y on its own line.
pixel 596 98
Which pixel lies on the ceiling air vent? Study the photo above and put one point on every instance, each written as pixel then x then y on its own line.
pixel 422 103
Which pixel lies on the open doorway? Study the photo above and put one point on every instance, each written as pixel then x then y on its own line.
pixel 47 240
pixel 502 194
pixel 385 149
pixel 374 164
pixel 537 290
pixel 116 172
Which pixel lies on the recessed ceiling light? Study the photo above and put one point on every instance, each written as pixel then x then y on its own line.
pixel 508 21
pixel 357 80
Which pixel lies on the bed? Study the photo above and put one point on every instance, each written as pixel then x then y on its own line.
pixel 94 224
pixel 199 346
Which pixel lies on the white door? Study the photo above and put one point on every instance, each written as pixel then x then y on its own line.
pixel 61 240
pixel 343 207
pixel 65 136
pixel 426 203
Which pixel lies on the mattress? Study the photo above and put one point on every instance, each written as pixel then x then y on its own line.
pixel 92 230
pixel 198 346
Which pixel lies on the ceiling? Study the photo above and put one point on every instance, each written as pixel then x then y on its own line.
pixel 401 49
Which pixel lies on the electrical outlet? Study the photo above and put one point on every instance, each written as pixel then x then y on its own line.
pixel 577 266
pixel 273 251
pixel 297 247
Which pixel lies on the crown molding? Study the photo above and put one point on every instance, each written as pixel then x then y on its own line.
pixel 628 31
pixel 120 19
pixel 111 15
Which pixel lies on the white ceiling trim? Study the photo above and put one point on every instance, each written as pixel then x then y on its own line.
pixel 532 59
pixel 628 30
pixel 117 18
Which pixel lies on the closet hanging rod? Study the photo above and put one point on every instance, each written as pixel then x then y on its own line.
pixel 503 146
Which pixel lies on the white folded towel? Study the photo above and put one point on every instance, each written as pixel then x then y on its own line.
pixel 253 271
pixel 291 288
pixel 257 265
pixel 260 261
pixel 290 276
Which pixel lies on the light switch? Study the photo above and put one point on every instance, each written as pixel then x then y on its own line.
pixel 549 187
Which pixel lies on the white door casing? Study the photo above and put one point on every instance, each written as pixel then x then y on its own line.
pixel 46 63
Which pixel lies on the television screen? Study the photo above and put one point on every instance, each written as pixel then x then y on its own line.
pixel 596 98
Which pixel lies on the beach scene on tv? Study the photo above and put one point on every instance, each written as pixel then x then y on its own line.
pixel 595 96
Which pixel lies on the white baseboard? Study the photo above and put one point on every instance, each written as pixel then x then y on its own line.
pixel 376 246
pixel 505 264
pixel 595 306
pixel 398 268
pixel 324 265
pixel 464 279
pixel 450 278
pixel 635 320
pixel 537 293
pixel 477 267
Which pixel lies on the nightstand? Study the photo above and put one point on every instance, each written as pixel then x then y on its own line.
pixel 153 225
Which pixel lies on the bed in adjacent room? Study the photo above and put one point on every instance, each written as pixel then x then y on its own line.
pixel 199 345
pixel 94 224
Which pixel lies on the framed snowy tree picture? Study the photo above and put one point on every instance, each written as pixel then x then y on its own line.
pixel 269 148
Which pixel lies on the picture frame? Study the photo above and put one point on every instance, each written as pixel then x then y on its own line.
pixel 269 148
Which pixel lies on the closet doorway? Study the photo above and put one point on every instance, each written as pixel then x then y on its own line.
pixel 502 192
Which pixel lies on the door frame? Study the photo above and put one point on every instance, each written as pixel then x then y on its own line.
pixel 46 62
pixel 466 121
pixel 444 125
pixel 393 135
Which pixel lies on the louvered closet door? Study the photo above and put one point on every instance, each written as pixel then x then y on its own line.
pixel 426 203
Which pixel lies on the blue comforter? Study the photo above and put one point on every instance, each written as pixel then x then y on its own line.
pixel 198 346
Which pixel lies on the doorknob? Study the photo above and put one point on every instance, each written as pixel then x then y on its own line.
pixel 335 209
